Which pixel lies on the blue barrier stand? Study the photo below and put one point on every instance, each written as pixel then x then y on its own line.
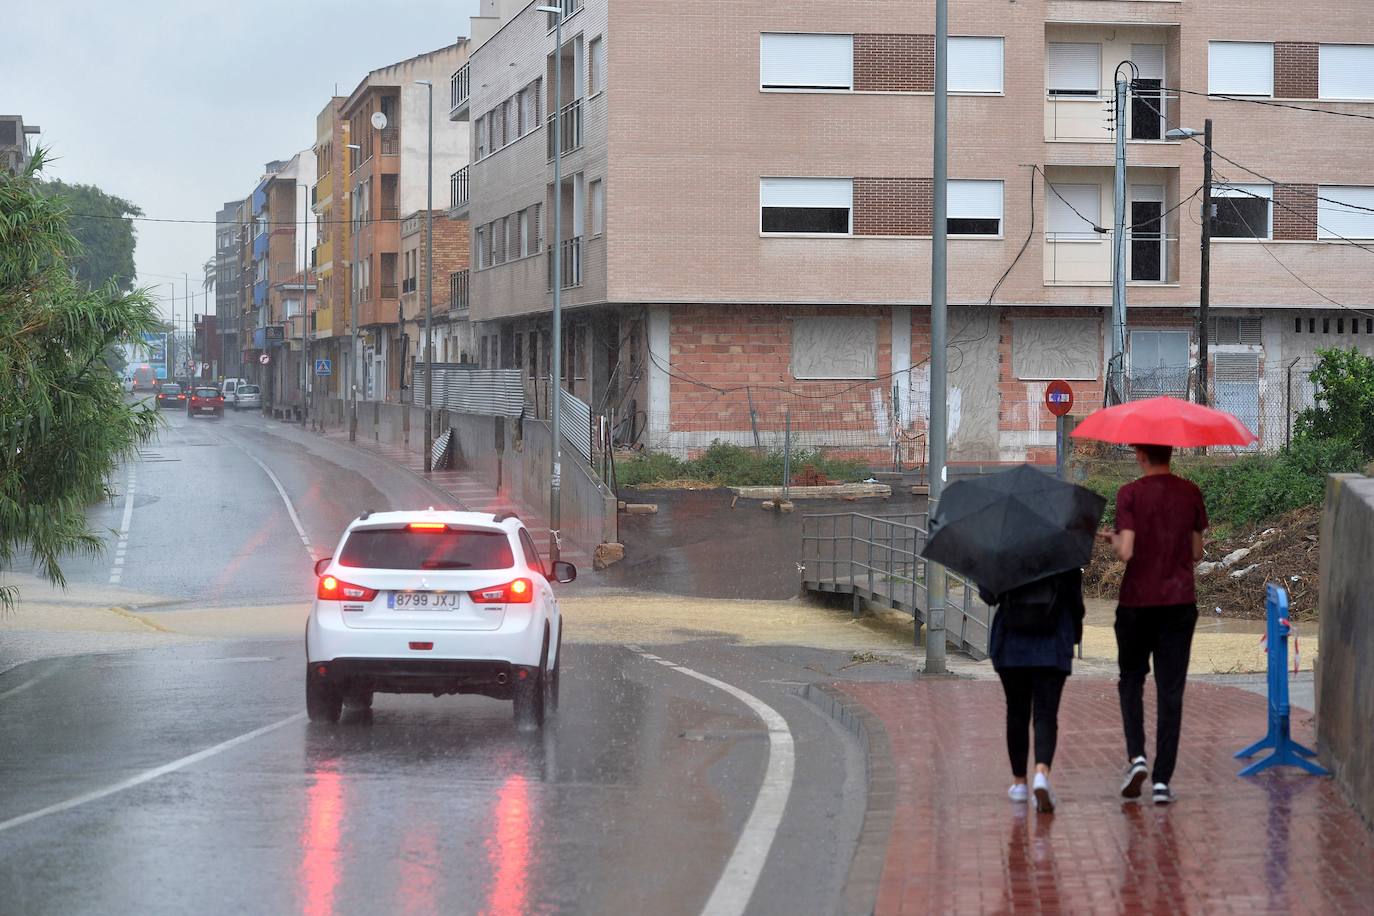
pixel 1287 752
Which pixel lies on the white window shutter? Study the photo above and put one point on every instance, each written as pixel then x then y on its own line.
pixel 1074 67
pixel 975 65
pixel 1240 68
pixel 806 192
pixel 1064 223
pixel 806 61
pixel 970 199
pixel 1335 220
pixel 1150 60
pixel 1345 71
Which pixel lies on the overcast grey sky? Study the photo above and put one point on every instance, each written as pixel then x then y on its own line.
pixel 176 105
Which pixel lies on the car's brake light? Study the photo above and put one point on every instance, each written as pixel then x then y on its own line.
pixel 521 591
pixel 181 397
pixel 331 589
pixel 427 526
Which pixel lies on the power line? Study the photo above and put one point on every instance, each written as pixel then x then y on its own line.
pixel 1271 104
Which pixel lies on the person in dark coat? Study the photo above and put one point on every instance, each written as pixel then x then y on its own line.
pixel 1031 645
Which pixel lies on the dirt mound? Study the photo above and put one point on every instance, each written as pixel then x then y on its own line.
pixel 1233 574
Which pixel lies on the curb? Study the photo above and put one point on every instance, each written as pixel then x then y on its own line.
pixel 861 885
pixel 418 475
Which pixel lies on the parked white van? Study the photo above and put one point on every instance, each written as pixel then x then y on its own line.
pixel 230 386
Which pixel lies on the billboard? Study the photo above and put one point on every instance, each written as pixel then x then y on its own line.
pixel 155 353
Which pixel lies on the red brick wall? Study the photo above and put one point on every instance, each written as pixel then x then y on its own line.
pixel 1295 69
pixel 892 206
pixel 1295 212
pixel 894 63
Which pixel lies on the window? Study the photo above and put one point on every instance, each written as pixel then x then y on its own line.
pixel 1159 363
pixel 392 548
pixel 597 192
pixel 524 229
pixel 481 247
pixel 974 207
pixel 499 238
pixel 1241 211
pixel 975 65
pixel 794 61
pixel 508 121
pixel 810 205
pixel 1074 68
pixel 529 106
pixel 531 552
pixel 1345 71
pixel 596 73
pixel 535 237
pixel 512 238
pixel 1345 219
pixel 1240 68
pixel 483 128
pixel 1074 212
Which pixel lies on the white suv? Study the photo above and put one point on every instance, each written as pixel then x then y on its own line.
pixel 435 602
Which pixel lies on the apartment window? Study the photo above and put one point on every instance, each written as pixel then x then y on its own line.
pixel 1074 68
pixel 807 205
pixel 512 238
pixel 490 251
pixel 533 227
pixel 597 192
pixel 975 65
pixel 1159 362
pixel 1345 71
pixel 526 242
pixel 483 130
pixel 1242 211
pixel 508 121
pixel 596 73
pixel 974 207
pixel 796 61
pixel 1348 218
pixel 1074 212
pixel 529 107
pixel 499 239
pixel 481 246
pixel 1240 68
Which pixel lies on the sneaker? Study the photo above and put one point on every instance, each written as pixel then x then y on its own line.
pixel 1163 794
pixel 1044 795
pixel 1018 793
pixel 1135 778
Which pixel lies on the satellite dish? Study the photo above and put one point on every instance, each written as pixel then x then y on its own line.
pixel 379 120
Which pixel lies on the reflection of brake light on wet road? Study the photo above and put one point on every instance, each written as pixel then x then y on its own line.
pixel 319 871
pixel 420 868
pixel 508 850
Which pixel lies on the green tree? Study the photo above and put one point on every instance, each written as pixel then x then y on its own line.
pixel 1344 409
pixel 64 423
pixel 106 235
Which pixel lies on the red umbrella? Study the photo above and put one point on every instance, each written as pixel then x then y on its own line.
pixel 1164 421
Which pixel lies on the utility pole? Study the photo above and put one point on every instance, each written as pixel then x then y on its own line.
pixel 1117 370
pixel 190 332
pixel 1205 286
pixel 353 227
pixel 429 289
pixel 937 430
pixel 307 367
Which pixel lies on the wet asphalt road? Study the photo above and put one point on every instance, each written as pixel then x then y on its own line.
pixel 631 800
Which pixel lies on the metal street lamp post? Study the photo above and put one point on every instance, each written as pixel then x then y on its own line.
pixel 556 337
pixel 355 227
pixel 1205 279
pixel 307 367
pixel 429 286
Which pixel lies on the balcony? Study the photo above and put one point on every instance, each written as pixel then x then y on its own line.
pixel 1085 259
pixel 570 129
pixel 458 301
pixel 459 86
pixel 390 214
pixel 408 285
pixel 568 6
pixel 1151 113
pixel 260 242
pixel 388 291
pixel 259 293
pixel 390 141
pixel 458 191
pixel 571 266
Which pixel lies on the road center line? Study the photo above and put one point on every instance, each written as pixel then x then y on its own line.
pixel 36 679
pixel 147 775
pixel 290 509
pixel 742 871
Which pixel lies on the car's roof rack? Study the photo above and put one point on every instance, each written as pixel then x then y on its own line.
pixel 363 517
pixel 502 516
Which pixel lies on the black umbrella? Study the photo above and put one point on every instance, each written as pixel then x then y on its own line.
pixel 1013 527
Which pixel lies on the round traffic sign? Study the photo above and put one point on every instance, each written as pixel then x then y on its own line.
pixel 1059 397
pixel 264 359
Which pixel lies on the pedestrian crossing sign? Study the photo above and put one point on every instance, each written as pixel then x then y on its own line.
pixel 324 367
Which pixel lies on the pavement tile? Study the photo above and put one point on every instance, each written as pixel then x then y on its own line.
pixel 1282 841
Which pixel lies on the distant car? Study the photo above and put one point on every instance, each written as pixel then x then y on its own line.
pixel 230 387
pixel 247 396
pixel 145 379
pixel 205 401
pixel 435 602
pixel 170 395
pixel 126 384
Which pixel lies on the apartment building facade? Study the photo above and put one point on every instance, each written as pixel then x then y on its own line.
pixel 228 274
pixel 746 210
pixel 331 254
pixel 388 117
pixel 14 143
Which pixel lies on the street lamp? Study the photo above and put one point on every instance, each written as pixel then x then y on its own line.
pixel 1205 278
pixel 556 337
pixel 429 285
pixel 307 367
pixel 353 316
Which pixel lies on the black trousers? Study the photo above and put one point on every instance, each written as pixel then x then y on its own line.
pixel 1032 692
pixel 1165 632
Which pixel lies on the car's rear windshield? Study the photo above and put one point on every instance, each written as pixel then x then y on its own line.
pixel 373 548
pixel 207 392
pixel 247 389
pixel 171 389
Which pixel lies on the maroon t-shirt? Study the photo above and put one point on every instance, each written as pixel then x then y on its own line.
pixel 1163 511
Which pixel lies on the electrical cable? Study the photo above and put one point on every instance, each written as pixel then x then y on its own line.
pixel 1271 104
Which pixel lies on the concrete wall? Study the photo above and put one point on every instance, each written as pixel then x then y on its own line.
pixel 1345 671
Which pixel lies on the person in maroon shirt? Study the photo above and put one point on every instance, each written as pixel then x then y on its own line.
pixel 1160 519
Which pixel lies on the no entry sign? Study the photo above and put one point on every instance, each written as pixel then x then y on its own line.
pixel 1059 397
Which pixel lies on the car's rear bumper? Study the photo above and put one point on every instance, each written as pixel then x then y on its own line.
pixel 420 675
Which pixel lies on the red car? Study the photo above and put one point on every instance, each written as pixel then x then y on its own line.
pixel 205 401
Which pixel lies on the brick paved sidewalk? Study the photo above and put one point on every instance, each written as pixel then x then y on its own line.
pixel 1280 842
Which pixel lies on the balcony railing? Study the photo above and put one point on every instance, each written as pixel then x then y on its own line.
pixel 390 213
pixel 459 85
pixel 1090 118
pixel 571 266
pixel 458 291
pixel 1085 258
pixel 390 140
pixel 569 7
pixel 458 188
pixel 388 291
pixel 570 128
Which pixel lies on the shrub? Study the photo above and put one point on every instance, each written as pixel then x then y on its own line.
pixel 1344 410
pixel 725 464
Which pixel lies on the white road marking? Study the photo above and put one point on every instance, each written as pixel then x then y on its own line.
pixel 290 509
pixel 122 542
pixel 742 871
pixel 146 776
pixel 37 678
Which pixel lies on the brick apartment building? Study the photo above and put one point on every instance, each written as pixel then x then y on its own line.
pixel 385 181
pixel 14 143
pixel 332 251
pixel 228 275
pixel 746 204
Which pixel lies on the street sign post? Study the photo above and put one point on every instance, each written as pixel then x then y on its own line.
pixel 1059 401
pixel 324 367
pixel 264 359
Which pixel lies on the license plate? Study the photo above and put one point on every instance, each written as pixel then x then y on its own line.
pixel 207 410
pixel 424 601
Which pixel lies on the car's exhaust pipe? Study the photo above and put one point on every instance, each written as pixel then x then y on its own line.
pixel 501 678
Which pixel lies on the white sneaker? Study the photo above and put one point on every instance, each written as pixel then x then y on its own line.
pixel 1044 795
pixel 1163 794
pixel 1135 778
pixel 1018 793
